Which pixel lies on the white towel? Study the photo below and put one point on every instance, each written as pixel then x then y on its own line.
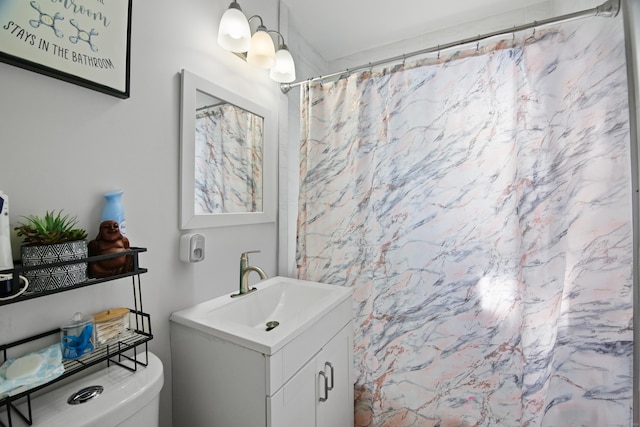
pixel 50 369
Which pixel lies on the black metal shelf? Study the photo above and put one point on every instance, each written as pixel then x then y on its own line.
pixel 20 269
pixel 122 351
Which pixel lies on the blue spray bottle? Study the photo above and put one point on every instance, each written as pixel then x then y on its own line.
pixel 114 209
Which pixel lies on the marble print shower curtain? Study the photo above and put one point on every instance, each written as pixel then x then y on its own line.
pixel 228 164
pixel 479 204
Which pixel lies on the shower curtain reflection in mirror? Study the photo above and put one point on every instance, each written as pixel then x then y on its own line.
pixel 479 204
pixel 228 160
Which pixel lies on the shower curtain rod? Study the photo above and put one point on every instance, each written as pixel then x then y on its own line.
pixel 609 9
pixel 206 107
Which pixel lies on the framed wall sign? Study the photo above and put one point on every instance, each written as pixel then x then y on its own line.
pixel 85 42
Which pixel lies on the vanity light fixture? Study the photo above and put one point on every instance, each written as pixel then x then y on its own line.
pixel 234 35
pixel 284 69
pixel 262 52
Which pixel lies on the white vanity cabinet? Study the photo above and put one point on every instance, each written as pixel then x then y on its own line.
pixel 301 378
pixel 321 393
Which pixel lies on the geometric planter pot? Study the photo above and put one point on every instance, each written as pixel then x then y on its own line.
pixel 54 277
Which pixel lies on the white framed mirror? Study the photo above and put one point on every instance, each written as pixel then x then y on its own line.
pixel 227 157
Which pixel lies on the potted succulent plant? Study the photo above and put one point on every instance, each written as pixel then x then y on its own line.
pixel 51 239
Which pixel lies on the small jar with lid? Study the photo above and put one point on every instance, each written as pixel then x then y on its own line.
pixel 77 336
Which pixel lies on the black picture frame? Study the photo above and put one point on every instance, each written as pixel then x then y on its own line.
pixel 84 42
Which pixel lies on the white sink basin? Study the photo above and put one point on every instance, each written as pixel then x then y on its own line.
pixel 293 304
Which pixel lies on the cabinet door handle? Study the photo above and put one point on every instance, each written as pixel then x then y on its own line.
pixel 331 376
pixel 326 386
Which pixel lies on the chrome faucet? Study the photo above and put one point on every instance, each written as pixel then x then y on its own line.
pixel 245 269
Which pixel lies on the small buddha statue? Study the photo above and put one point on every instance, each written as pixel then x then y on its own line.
pixel 109 241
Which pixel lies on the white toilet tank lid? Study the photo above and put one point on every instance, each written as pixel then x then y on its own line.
pixel 125 393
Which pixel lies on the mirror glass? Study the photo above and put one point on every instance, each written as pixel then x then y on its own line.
pixel 227 160
pixel 228 157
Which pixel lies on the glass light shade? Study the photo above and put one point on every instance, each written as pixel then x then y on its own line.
pixel 234 33
pixel 284 70
pixel 261 53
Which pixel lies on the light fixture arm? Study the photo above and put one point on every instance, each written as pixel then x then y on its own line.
pixel 280 45
pixel 261 27
pixel 235 5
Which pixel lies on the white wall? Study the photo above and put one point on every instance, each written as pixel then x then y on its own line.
pixel 62 146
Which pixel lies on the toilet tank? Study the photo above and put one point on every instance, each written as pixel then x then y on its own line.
pixel 128 399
